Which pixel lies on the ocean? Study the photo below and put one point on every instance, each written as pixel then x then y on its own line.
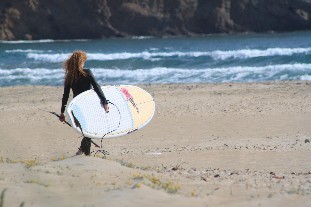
pixel 144 60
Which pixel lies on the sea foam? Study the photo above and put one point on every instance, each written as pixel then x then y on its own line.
pixel 165 75
pixel 147 55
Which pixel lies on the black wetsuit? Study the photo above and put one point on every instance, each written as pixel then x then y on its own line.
pixel 84 83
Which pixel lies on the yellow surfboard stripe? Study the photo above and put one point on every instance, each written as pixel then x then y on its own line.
pixel 142 106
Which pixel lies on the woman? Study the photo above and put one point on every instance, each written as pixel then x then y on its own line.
pixel 79 80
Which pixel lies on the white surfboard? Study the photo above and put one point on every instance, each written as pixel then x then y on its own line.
pixel 131 108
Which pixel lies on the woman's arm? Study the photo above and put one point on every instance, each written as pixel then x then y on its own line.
pixel 64 102
pixel 98 90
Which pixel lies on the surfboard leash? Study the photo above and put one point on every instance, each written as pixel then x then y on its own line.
pixel 101 142
pixel 66 122
pixel 79 125
pixel 57 115
pixel 101 150
pixel 105 152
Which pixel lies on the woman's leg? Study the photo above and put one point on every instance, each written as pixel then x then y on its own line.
pixel 86 146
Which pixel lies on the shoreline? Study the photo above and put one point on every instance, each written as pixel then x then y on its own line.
pixel 218 144
pixel 276 82
pixel 134 37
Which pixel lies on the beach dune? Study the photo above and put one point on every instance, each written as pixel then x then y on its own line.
pixel 230 144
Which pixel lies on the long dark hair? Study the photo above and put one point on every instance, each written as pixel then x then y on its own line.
pixel 74 66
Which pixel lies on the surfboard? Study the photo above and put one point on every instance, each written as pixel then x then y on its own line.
pixel 131 108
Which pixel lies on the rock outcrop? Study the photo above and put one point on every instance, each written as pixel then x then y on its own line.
pixel 89 19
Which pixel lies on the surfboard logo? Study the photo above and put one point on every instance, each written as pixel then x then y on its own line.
pixel 129 98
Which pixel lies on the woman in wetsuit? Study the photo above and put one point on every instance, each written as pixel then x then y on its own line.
pixel 79 80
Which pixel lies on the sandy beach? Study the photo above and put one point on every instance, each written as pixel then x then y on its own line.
pixel 232 144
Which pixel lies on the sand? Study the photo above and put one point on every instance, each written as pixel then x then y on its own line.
pixel 232 144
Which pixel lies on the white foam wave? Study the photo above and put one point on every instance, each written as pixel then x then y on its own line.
pixel 216 55
pixel 32 74
pixel 40 41
pixel 239 73
pixel 305 77
pixel 26 41
pixel 251 53
pixel 142 37
pixel 105 57
pixel 27 51
pixel 54 58
pixel 165 75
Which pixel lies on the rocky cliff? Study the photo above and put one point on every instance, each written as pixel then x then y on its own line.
pixel 80 19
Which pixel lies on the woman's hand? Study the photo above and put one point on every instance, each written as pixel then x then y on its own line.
pixel 106 107
pixel 62 117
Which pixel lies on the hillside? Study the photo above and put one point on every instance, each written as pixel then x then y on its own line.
pixel 79 19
